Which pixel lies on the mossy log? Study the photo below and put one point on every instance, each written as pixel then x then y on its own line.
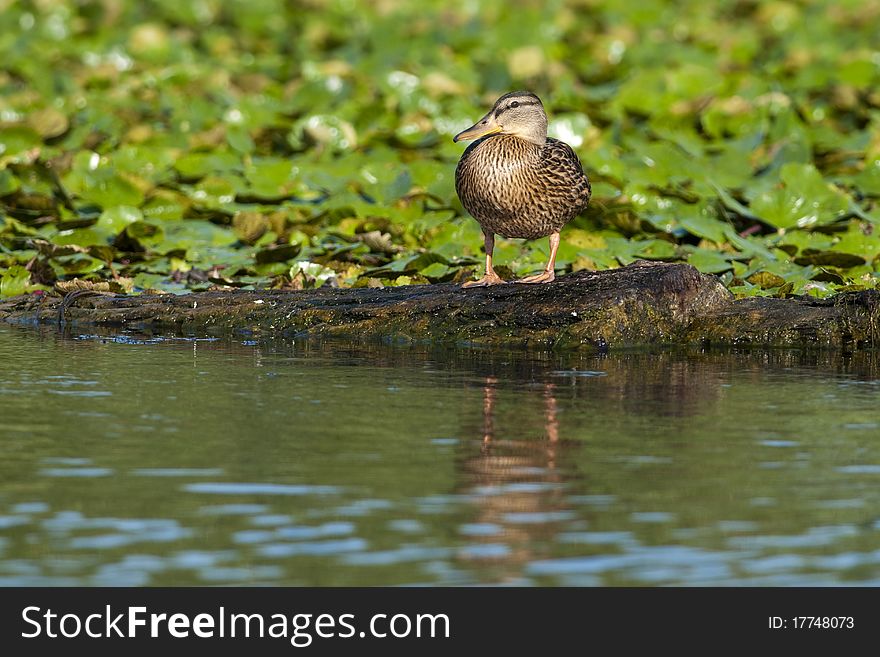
pixel 644 303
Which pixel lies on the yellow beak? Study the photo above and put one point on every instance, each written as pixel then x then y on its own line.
pixel 482 128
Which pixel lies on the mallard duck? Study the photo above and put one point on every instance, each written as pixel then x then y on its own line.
pixel 518 182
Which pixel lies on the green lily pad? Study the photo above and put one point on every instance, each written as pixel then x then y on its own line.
pixel 14 281
pixel 116 219
pixel 110 190
pixel 239 139
pixel 765 280
pixel 16 138
pixel 868 181
pixel 417 263
pixel 272 178
pixel 166 204
pixel 181 235
pixel 199 165
pixel 703 222
pixel 277 253
pixel 435 270
pixel 709 262
pixel 83 237
pixel 9 183
pixel 215 191
pixel 804 199
pixel 249 226
pixel 49 122
pixel 325 130
pixel 77 265
pixel 830 258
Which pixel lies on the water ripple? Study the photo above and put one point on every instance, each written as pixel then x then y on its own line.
pixel 859 469
pixel 312 548
pixel 232 488
pixel 177 472
pixel 76 472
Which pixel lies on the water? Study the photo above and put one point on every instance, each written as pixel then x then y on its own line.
pixel 133 460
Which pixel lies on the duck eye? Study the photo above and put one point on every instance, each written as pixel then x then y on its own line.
pixel 514 104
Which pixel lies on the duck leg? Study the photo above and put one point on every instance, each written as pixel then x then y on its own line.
pixel 549 273
pixel 490 277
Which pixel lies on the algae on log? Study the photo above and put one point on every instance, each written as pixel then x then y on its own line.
pixel 643 303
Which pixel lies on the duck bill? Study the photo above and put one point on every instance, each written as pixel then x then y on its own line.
pixel 486 126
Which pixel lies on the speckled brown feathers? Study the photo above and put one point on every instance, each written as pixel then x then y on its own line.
pixel 518 188
pixel 517 182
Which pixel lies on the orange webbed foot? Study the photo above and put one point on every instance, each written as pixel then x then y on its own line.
pixel 543 277
pixel 488 279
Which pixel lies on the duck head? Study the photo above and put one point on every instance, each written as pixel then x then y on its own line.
pixel 519 113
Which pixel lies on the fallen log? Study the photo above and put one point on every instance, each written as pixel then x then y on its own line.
pixel 644 303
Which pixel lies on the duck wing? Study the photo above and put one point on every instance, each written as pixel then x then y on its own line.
pixel 563 173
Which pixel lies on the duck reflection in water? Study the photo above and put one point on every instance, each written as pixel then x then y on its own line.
pixel 551 424
pixel 516 483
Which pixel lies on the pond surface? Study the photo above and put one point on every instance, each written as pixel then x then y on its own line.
pixel 132 460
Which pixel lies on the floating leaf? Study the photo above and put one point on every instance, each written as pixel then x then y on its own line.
pixel 48 122
pixel 435 270
pixel 709 262
pixel 655 250
pixel 198 165
pixel 116 219
pixel 117 286
pixel 271 178
pixel 326 130
pixel 765 280
pixel 379 242
pixel 77 264
pixel 111 190
pixel 571 128
pixel 14 281
pixel 181 235
pixel 416 263
pixel 239 139
pixel 860 242
pixel 830 258
pixel 868 181
pixel 703 222
pixel 804 200
pixel 215 191
pixel 277 253
pixel 313 274
pixel 9 183
pixel 15 139
pixel 166 204
pixel 525 62
pixel 50 250
pixel 249 226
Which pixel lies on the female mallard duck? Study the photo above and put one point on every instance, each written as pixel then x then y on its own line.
pixel 518 182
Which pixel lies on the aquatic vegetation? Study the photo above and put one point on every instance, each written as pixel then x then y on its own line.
pixel 178 146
